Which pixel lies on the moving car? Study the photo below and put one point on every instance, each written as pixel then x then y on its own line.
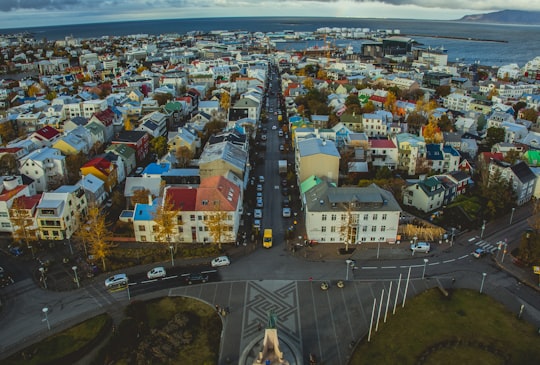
pixel 116 281
pixel 421 247
pixel 196 278
pixel 156 272
pixel 274 127
pixel 479 252
pixel 221 261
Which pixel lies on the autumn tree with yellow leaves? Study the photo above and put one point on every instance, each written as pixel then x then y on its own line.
pixel 219 225
pixel 166 220
pixel 431 132
pixel 95 231
pixel 225 101
pixel 21 219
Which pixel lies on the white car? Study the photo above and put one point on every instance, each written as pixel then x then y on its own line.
pixel 421 247
pixel 286 212
pixel 257 213
pixel 156 272
pixel 274 127
pixel 116 281
pixel 221 261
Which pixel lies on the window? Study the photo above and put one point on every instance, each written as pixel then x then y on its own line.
pixel 143 238
pixel 192 217
pixel 366 217
pixel 142 228
pixel 200 229
pixel 205 228
pixel 364 229
pixel 180 229
pixel 383 228
pixel 200 217
pixel 375 216
pixel 373 228
pixel 344 217
pixel 333 229
pixel 3 214
pixel 323 229
pixel 323 217
pixel 334 217
pixel 384 216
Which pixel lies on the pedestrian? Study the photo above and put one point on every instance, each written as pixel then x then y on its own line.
pixel 223 313
pixel 227 310
pixel 217 308
pixel 453 280
pixel 259 326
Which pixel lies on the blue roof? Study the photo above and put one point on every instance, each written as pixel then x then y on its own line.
pixel 157 168
pixel 144 212
pixel 433 152
pixel 451 150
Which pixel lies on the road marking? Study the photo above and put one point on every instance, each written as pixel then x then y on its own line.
pixel 388 267
pixel 170 277
pixel 462 257
pixel 434 263
pixel 369 267
pixel 148 281
pixel 472 239
pixel 447 261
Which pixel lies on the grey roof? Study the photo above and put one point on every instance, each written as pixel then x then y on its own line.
pixel 225 151
pixel 523 172
pixel 313 146
pixel 138 183
pixel 327 197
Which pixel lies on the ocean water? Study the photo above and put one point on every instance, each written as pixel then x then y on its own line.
pixel 515 43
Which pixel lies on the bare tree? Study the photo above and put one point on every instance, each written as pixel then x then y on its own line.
pixel 347 229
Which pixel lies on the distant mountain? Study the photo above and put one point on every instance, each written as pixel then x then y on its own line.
pixel 505 16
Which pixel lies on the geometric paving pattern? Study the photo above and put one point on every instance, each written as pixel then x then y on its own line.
pixel 279 296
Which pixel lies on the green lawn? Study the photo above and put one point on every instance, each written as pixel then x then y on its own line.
pixel 464 328
pixel 56 348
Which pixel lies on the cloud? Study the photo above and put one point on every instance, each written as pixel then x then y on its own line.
pixel 480 5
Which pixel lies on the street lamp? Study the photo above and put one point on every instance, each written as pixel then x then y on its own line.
pixel 453 233
pixel 74 268
pixel 425 264
pixel 350 263
pixel 512 215
pixel 483 228
pixel 46 319
pixel 31 250
pixel 482 285
pixel 42 271
pixel 171 247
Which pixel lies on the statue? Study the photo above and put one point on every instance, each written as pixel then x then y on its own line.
pixel 271 354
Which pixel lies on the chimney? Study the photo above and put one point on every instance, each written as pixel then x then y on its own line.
pixel 150 199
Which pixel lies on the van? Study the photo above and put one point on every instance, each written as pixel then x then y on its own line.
pixel 267 238
pixel 421 247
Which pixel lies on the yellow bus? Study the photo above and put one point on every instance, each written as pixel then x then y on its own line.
pixel 267 238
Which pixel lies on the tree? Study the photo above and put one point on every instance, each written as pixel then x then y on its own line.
pixel 415 121
pixel 347 228
pixel 183 156
pixel 443 90
pixel 166 220
pixel 7 132
pixel 158 145
pixel 140 196
pixel 219 225
pixel 162 98
pixel 73 166
pixel 390 102
pixel 22 221
pixel 308 83
pixel 529 114
pixel 225 101
pixel 95 231
pixel 431 132
pixel 321 74
pixel 494 135
pixel 512 156
pixel 445 124
pixel 8 164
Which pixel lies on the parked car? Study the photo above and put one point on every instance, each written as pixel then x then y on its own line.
pixel 5 278
pixel 261 179
pixel 281 147
pixel 139 170
pixel 259 194
pixel 196 278
pixel 284 183
pixel 421 247
pixel 259 187
pixel 257 213
pixel 116 281
pixel 479 252
pixel 257 223
pixel 286 212
pixel 15 250
pixel 221 261
pixel 156 272
pixel 259 203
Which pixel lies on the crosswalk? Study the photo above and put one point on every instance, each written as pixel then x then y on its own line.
pixel 489 247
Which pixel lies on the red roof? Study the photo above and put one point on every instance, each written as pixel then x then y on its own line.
pixel 10 149
pixel 106 117
pixel 8 194
pixel 487 156
pixel 100 163
pixel 382 143
pixel 183 198
pixel 217 188
pixel 29 202
pixel 380 99
pixel 47 132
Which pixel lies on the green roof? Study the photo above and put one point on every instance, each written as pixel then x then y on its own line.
pixel 308 183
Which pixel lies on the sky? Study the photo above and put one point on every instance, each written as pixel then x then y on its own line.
pixel 31 13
